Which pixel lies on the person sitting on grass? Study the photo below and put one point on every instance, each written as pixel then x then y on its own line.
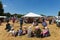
pixel 16 34
pixel 32 34
pixel 29 31
pixel 24 32
pixel 45 32
pixel 8 27
pixel 34 23
pixel 20 32
pixel 12 32
pixel 37 31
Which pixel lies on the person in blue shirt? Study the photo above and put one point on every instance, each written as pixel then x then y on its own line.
pixel 20 32
pixel 44 24
pixel 21 22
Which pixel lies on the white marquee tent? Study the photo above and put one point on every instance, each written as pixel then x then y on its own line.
pixel 32 15
pixel 2 16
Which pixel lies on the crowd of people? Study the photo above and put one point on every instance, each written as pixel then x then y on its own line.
pixel 30 33
pixel 23 30
pixel 37 32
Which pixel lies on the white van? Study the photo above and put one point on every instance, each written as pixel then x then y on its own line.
pixel 58 21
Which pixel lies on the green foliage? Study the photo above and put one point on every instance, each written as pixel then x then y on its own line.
pixel 59 13
pixel 10 15
pixel 42 15
pixel 1 9
pixel 7 14
pixel 49 16
pixel 15 14
pixel 19 15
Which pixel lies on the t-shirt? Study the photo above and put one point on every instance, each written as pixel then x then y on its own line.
pixel 21 20
pixel 44 24
pixel 13 18
pixel 12 32
pixel 20 32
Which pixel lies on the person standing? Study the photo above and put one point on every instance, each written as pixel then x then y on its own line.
pixel 0 22
pixel 21 22
pixel 7 19
pixel 50 21
pixel 13 20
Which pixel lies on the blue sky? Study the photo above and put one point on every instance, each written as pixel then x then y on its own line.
pixel 46 7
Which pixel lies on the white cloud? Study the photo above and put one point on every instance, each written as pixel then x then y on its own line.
pixel 4 5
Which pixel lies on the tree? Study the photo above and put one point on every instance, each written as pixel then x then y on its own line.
pixel 7 14
pixel 15 14
pixel 1 9
pixel 19 15
pixel 42 15
pixel 59 13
